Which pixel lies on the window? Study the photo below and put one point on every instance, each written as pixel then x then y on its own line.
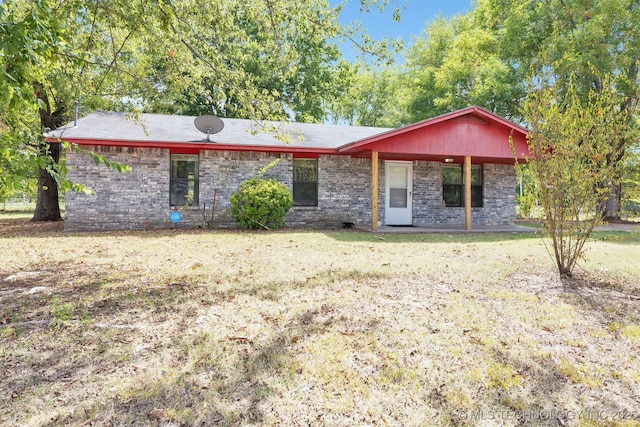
pixel 305 182
pixel 453 185
pixel 184 180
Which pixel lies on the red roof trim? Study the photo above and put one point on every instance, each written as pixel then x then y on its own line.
pixel 196 146
pixel 184 151
pixel 352 146
pixel 305 155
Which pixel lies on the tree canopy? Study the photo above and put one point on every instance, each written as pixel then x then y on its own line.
pixel 270 59
pixel 486 56
pixel 279 59
pixel 458 63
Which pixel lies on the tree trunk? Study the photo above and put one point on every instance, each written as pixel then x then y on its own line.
pixel 47 204
pixel 614 203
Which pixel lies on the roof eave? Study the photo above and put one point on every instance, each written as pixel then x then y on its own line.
pixel 208 146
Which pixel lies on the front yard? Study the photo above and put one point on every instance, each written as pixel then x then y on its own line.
pixel 314 328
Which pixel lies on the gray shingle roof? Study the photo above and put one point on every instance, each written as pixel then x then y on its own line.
pixel 169 128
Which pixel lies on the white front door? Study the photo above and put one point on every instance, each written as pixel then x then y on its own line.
pixel 398 189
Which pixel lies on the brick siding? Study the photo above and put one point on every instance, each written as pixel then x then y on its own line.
pixel 135 199
pixel 499 197
pixel 140 198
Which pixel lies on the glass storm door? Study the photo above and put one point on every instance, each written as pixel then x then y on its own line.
pixel 398 190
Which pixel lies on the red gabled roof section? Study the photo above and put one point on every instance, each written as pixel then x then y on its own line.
pixel 472 131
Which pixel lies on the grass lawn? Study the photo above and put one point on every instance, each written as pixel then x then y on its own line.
pixel 314 328
pixel 14 211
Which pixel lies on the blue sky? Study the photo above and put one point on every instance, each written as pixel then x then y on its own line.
pixel 413 18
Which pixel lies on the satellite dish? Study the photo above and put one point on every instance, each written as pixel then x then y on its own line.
pixel 208 124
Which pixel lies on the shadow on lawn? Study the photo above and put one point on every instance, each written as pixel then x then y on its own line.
pixel 62 352
pixel 205 391
pixel 558 385
pixel 611 299
pixel 559 393
pixel 610 302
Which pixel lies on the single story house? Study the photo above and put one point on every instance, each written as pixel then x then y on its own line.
pixel 453 169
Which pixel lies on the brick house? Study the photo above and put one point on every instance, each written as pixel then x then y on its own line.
pixel 449 170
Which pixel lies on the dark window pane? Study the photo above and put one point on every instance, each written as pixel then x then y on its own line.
pixel 476 175
pixel 452 195
pixel 452 174
pixel 184 185
pixel 179 192
pixel 453 188
pixel 183 168
pixel 305 182
pixel 476 196
pixel 305 193
pixel 305 170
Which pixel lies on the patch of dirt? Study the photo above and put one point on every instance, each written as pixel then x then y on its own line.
pixel 24 227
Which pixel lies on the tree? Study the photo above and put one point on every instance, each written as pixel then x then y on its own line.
pixel 273 59
pixel 572 144
pixel 631 181
pixel 457 63
pixel 370 97
pixel 576 43
pixel 27 41
pixel 52 53
pixel 269 59
pixel 264 60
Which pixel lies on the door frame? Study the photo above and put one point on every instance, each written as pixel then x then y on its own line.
pixel 406 217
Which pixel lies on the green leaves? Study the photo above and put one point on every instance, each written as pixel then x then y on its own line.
pixel 458 63
pixel 575 157
pixel 371 98
pixel 30 35
pixel 261 203
pixel 97 158
pixel 259 60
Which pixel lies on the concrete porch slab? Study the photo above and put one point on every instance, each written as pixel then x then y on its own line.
pixel 507 228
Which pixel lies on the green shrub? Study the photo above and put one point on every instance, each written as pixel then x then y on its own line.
pixel 526 203
pixel 261 203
